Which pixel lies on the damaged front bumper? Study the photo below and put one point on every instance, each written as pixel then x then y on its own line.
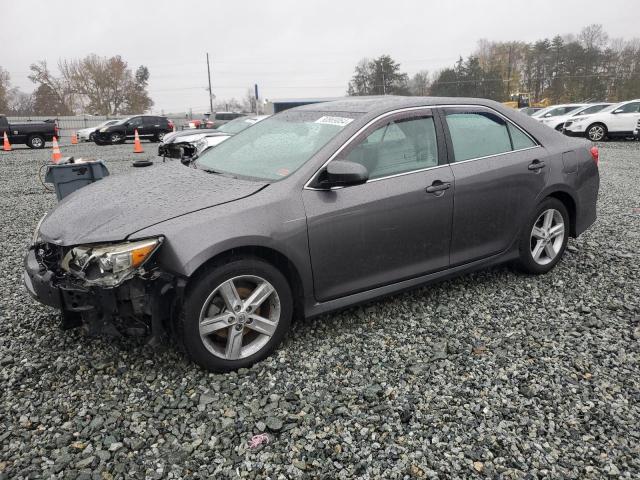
pixel 180 151
pixel 139 306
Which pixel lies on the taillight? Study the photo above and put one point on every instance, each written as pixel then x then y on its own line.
pixel 595 154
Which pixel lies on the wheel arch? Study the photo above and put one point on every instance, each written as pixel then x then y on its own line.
pixel 570 204
pixel 268 254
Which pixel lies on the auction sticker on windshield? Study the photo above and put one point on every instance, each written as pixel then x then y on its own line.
pixel 340 121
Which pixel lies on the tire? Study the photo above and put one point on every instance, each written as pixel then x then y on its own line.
pixel 560 127
pixel 596 132
pixel 158 137
pixel 214 350
pixel 535 257
pixel 92 136
pixel 117 137
pixel 36 141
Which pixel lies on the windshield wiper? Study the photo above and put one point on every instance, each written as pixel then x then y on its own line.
pixel 218 172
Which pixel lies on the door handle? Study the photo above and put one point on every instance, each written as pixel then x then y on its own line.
pixel 536 165
pixel 438 187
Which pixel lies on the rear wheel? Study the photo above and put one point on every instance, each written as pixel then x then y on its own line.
pixel 235 314
pixel 544 239
pixel 596 132
pixel 36 141
pixel 92 136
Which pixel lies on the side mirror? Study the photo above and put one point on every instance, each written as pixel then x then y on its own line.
pixel 620 110
pixel 343 173
pixel 547 115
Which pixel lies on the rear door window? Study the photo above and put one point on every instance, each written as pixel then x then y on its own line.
pixel 477 134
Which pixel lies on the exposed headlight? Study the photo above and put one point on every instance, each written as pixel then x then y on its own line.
pixel 109 265
pixel 201 145
pixel 36 234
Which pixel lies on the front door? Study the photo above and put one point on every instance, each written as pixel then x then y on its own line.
pixel 135 124
pixel 395 226
pixel 625 119
pixel 497 181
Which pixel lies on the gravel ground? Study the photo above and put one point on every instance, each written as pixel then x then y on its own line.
pixel 493 374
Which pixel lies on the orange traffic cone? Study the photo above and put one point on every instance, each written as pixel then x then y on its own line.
pixel 6 146
pixel 137 146
pixel 74 139
pixel 55 158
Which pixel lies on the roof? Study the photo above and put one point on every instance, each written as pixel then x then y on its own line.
pixel 366 104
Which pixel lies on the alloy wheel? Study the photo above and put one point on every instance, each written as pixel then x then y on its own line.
pixel 239 317
pixel 37 142
pixel 596 133
pixel 547 236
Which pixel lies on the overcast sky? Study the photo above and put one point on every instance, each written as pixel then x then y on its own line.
pixel 291 48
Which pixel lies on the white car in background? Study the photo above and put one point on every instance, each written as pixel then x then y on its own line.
pixel 558 122
pixel 187 144
pixel 550 115
pixel 618 120
pixel 86 134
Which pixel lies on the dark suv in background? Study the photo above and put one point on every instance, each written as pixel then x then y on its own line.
pixel 150 127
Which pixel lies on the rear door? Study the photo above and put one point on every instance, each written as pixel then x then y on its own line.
pixel 395 226
pixel 499 171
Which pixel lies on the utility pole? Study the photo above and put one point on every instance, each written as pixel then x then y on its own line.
pixel 509 72
pixel 210 92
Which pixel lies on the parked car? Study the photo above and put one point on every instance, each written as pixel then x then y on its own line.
pixel 312 210
pixel 557 121
pixel 34 134
pixel 187 144
pixel 206 122
pixel 550 115
pixel 223 117
pixel 148 126
pixel 530 110
pixel 618 120
pixel 88 134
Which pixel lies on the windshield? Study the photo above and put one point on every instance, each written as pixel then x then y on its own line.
pixel 237 125
pixel 276 147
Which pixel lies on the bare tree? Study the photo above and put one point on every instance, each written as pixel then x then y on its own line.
pixel 420 83
pixel 5 86
pixel 58 89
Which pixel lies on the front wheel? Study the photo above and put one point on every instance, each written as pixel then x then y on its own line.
pixel 92 137
pixel 117 137
pixel 544 239
pixel 235 314
pixel 596 132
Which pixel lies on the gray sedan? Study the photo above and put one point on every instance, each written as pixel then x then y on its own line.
pixel 312 210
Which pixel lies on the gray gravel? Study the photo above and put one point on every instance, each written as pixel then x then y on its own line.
pixel 493 374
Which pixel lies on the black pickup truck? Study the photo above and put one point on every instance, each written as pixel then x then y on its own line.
pixel 33 134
